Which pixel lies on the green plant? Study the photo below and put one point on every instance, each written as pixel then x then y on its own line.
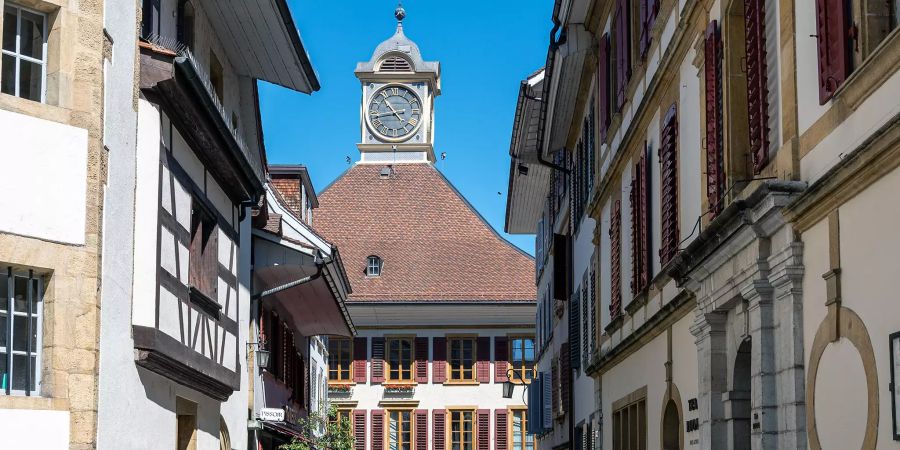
pixel 338 433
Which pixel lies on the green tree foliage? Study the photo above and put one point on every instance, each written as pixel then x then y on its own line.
pixel 338 434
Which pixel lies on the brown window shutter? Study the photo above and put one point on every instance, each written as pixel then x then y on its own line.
pixel 615 285
pixel 668 158
pixel 421 360
pixel 603 82
pixel 635 199
pixel 623 52
pixel 832 25
pixel 715 164
pixel 360 357
pixel 501 359
pixel 593 317
pixel 421 429
pixel 645 199
pixel 640 227
pixel 757 92
pixel 644 43
pixel 439 365
pixel 377 359
pixel 501 431
pixel 484 429
pixel 359 429
pixel 303 381
pixel 439 429
pixel 377 429
pixel 483 366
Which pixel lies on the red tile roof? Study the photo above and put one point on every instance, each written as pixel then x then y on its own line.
pixel 435 247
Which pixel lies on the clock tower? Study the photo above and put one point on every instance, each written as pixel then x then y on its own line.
pixel 397 107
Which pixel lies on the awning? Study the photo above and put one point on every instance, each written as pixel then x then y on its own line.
pixel 312 308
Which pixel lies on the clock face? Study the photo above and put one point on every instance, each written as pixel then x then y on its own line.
pixel 394 113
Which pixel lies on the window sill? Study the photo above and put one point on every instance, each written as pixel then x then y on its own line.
pixel 461 383
pixel 33 402
pixel 208 305
pixel 33 108
pixel 615 324
pixel 341 383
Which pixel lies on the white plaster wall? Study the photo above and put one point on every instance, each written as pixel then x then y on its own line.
pixel 685 375
pixel 841 397
pixel 49 430
pixel 808 108
pixel 815 264
pixel 43 178
pixel 146 211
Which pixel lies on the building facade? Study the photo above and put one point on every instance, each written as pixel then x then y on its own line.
pixel 742 151
pixel 53 174
pixel 444 307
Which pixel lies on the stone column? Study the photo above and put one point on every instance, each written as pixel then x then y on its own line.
pixel 712 358
pixel 763 393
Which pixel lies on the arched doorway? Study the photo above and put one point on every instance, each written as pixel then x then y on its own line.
pixel 740 398
pixel 671 427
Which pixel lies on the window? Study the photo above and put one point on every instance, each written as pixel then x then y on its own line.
pixel 462 359
pixel 400 359
pixel 341 417
pixel 462 430
pixel 520 439
pixel 400 430
pixel 340 354
pixel 24 62
pixel 21 297
pixel 630 425
pixel 521 357
pixel 668 160
pixel 373 266
pixel 216 76
pixel 203 271
pixel 186 23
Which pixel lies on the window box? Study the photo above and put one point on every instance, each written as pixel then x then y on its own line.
pixel 399 388
pixel 340 390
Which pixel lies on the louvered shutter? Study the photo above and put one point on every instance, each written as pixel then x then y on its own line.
pixel 377 429
pixel 644 42
pixel 715 170
pixel 439 432
pixel 593 309
pixel 623 52
pixel 644 229
pixel 421 429
pixel 554 387
pixel 615 285
pixel 603 74
pixel 501 431
pixel 565 378
pixel 834 51
pixel 668 157
pixel 547 401
pixel 439 364
pixel 575 328
pixel 360 357
pixel 421 360
pixel 377 359
pixel 501 359
pixel 484 429
pixel 640 225
pixel 634 200
pixel 359 429
pixel 585 316
pixel 757 90
pixel 483 365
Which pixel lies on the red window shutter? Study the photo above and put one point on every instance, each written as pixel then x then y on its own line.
pixel 421 429
pixel 501 431
pixel 668 157
pixel 635 199
pixel 360 357
pixel 603 83
pixel 715 171
pixel 615 285
pixel 483 366
pixel 501 359
pixel 484 429
pixel 439 432
pixel 623 52
pixel 640 225
pixel 757 92
pixel 421 360
pixel 359 429
pixel 832 27
pixel 439 365
pixel 377 429
pixel 378 360
pixel 644 229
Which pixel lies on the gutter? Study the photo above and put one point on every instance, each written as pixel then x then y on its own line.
pixel 320 265
pixel 548 78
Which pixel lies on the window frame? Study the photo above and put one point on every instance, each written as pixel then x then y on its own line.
pixel 8 309
pixel 374 266
pixel 18 56
pixel 526 438
pixel 511 339
pixel 452 435
pixel 451 378
pixel 340 363
pixel 388 340
pixel 630 434
pixel 388 434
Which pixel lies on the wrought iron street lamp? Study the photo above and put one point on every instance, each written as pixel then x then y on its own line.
pixel 262 355
pixel 509 385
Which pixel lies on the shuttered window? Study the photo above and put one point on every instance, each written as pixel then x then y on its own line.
pixel 585 317
pixel 668 158
pixel 615 238
pixel 501 361
pixel 521 358
pixel 519 436
pixel 203 260
pixel 377 429
pixel 339 359
pixel 483 366
pixel 439 432
pixel 421 353
pixel 400 434
pixel 603 79
pixel 640 224
pixel 593 319
pixel 462 429
pixel 484 429
pixel 462 359
pixel 378 360
pixel 715 158
pixel 421 429
pixel 648 12
pixel 757 86
pixel 359 429
pixel 399 359
pixel 439 355
pixel 575 328
pixel 622 38
pixel 834 50
pixel 360 357
pixel 501 431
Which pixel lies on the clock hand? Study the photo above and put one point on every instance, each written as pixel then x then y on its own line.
pixel 389 112
pixel 394 110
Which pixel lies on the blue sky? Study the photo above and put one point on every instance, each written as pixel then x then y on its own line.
pixel 485 48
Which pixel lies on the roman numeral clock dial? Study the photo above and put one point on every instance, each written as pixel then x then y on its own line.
pixel 394 113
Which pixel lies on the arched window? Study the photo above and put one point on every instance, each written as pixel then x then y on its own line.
pixel 186 23
pixel 374 265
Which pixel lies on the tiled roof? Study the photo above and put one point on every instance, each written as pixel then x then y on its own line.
pixel 435 247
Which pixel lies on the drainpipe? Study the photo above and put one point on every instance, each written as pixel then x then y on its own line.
pixel 320 264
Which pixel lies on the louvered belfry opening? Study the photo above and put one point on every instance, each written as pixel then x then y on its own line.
pixel 395 63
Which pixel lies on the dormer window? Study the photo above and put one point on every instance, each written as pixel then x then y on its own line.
pixel 373 266
pixel 395 63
